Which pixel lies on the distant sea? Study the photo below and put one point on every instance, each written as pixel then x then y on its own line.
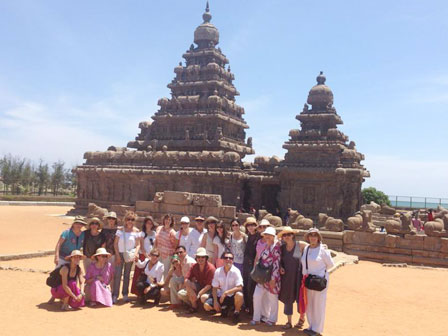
pixel 417 202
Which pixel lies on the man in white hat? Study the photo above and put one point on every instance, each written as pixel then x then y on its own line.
pixel 199 279
pixel 195 236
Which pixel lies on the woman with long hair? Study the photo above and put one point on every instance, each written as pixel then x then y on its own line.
pixel 166 242
pixel 221 243
pixel 237 244
pixel 93 239
pixel 209 236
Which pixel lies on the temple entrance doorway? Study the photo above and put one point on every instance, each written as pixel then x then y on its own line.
pixel 269 200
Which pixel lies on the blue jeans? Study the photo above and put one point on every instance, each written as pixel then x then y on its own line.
pixel 126 276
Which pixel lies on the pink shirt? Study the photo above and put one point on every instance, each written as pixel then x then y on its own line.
pixel 166 241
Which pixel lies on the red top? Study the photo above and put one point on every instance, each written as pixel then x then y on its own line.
pixel 203 278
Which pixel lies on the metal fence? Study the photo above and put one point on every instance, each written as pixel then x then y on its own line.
pixel 414 202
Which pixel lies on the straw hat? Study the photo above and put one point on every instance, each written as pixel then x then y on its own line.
pixel 250 220
pixel 79 220
pixel 211 219
pixel 312 230
pixel 100 251
pixel 111 215
pixel 75 253
pixel 201 252
pixel 199 219
pixel 265 222
pixel 269 231
pixel 96 220
pixel 185 219
pixel 286 230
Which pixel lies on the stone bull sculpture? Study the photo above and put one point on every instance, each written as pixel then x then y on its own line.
pixel 362 221
pixel 402 224
pixel 330 223
pixel 437 228
pixel 298 221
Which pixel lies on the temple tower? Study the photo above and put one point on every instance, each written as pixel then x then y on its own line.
pixel 201 113
pixel 321 171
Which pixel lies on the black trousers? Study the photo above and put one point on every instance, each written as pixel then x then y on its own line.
pixel 153 294
pixel 249 285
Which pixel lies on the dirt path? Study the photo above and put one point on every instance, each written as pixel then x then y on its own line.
pixel 365 299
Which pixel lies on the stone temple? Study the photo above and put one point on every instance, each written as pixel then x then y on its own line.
pixel 197 141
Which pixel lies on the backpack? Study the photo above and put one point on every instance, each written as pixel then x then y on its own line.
pixel 54 279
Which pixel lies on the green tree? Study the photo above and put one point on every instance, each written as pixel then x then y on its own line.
pixel 57 176
pixel 42 177
pixel 377 196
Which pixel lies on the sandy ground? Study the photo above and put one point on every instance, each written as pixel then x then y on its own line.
pixel 365 299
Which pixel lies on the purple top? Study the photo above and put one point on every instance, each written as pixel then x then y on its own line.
pixel 107 272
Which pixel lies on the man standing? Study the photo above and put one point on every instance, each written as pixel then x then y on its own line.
pixel 195 237
pixel 199 279
pixel 227 289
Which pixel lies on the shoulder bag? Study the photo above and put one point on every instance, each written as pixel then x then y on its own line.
pixel 314 282
pixel 261 274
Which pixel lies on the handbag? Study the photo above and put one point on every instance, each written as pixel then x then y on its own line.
pixel 260 273
pixel 128 256
pixel 314 282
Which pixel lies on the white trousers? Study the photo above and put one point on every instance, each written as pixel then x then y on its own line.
pixel 175 284
pixel 315 309
pixel 265 304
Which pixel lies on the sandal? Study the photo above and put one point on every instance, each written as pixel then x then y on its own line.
pixel 287 326
pixel 300 324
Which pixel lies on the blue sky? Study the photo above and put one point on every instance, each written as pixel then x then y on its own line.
pixel 79 76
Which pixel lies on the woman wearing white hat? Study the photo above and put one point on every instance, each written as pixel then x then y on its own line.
pixel 98 279
pixel 67 279
pixel 266 295
pixel 182 236
pixel 316 260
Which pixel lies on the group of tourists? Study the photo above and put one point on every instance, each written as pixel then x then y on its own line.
pixel 248 269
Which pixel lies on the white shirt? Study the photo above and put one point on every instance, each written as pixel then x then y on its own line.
pixel 186 265
pixel 148 242
pixel 194 241
pixel 184 241
pixel 127 243
pixel 221 247
pixel 224 281
pixel 156 272
pixel 319 261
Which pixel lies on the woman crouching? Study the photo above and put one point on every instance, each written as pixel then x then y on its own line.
pixel 151 280
pixel 70 275
pixel 98 279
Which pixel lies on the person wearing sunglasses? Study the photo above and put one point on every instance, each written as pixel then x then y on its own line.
pixel 316 260
pixel 237 244
pixel 221 243
pixel 99 276
pixel 250 252
pixel 227 290
pixel 291 275
pixel 126 244
pixel 166 241
pixel 94 238
pixel 150 285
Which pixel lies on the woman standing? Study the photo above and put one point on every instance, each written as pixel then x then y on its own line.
pixel 147 241
pixel 253 236
pixel 166 242
pixel 70 240
pixel 316 260
pixel 182 237
pixel 69 276
pixel 266 295
pixel 237 243
pixel 221 243
pixel 127 243
pixel 93 240
pixel 109 230
pixel 207 239
pixel 99 276
pixel 291 274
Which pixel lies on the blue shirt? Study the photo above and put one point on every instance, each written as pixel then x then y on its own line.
pixel 71 242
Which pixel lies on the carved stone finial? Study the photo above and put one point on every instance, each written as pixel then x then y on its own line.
pixel 321 78
pixel 228 69
pixel 180 63
pixel 207 16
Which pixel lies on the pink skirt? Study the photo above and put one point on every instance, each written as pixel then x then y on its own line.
pixel 59 293
pixel 99 293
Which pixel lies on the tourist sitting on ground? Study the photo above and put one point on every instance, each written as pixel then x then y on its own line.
pixel 291 275
pixel 253 236
pixel 237 244
pixel 178 291
pixel 196 236
pixel 99 276
pixel 126 245
pixel 199 279
pixel 151 280
pixel 221 243
pixel 147 241
pixel 70 240
pixel 93 240
pixel 69 288
pixel 166 241
pixel 183 235
pixel 227 290
pixel 266 294
pixel 109 230
pixel 316 260
pixel 209 236
pixel 175 281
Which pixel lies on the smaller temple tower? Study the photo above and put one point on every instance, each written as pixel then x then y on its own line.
pixel 321 171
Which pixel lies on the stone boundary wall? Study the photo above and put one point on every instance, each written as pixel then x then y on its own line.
pixel 34 203
pixel 387 248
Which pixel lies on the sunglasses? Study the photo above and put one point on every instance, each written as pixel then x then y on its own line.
pixel 199 257
pixel 288 234
pixel 251 225
pixel 220 227
pixel 94 223
pixel 154 255
pixel 313 235
pixel 103 256
pixel 234 225
pixel 228 258
pixel 130 219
